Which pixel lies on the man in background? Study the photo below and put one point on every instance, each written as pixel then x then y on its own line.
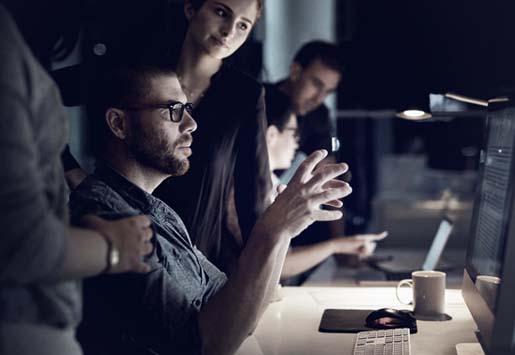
pixel 315 73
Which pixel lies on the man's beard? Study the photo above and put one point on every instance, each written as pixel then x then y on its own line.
pixel 156 152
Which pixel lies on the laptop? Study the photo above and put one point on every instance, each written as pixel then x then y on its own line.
pixel 401 266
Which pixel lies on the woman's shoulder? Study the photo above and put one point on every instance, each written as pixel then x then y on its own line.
pixel 239 81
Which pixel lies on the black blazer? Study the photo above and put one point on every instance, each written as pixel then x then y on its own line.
pixel 228 144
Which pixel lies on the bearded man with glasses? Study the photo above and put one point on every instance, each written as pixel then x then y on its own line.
pixel 184 305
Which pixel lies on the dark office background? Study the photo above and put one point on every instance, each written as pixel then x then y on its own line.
pixel 396 53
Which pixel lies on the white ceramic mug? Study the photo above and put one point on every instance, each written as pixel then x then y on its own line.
pixel 428 292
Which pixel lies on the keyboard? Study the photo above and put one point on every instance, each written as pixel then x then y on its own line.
pixel 383 342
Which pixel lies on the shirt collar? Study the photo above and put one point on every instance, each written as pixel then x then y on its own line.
pixel 137 197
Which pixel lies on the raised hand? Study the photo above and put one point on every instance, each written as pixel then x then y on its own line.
pixel 298 205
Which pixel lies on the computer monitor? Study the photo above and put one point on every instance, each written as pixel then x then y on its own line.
pixel 489 277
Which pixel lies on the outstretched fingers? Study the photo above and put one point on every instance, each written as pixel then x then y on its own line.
pixel 305 169
pixel 332 194
pixel 334 184
pixel 325 174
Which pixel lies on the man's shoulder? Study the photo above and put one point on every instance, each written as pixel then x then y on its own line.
pixel 92 188
pixel 320 113
pixel 95 196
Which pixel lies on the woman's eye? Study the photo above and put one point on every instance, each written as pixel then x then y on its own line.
pixel 221 12
pixel 243 26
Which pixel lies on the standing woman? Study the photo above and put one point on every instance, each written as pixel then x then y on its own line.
pixel 41 256
pixel 229 147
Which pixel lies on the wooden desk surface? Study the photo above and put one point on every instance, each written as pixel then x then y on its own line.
pixel 290 326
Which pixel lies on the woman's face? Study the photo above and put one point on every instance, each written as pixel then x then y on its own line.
pixel 220 27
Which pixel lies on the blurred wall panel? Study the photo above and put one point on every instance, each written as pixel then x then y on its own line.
pixel 290 23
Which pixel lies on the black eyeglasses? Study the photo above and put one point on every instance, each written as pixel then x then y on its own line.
pixel 176 109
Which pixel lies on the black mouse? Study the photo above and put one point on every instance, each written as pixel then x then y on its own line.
pixel 389 318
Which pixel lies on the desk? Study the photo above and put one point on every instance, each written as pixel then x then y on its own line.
pixel 290 326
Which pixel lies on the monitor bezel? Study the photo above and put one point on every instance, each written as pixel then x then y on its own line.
pixel 500 323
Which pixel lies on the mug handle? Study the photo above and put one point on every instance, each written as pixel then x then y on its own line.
pixel 401 283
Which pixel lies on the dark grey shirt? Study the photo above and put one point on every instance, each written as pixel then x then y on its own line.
pixel 33 194
pixel 135 313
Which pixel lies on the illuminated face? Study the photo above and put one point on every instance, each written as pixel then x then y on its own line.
pixel 154 140
pixel 220 27
pixel 282 144
pixel 310 86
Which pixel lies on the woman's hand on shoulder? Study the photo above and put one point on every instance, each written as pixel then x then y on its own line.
pixel 130 239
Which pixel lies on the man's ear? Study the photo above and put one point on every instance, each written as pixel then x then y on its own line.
pixel 189 10
pixel 117 121
pixel 295 71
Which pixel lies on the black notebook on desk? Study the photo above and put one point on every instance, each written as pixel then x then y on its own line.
pixel 344 321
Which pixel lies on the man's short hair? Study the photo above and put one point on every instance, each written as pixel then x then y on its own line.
pixel 328 53
pixel 118 84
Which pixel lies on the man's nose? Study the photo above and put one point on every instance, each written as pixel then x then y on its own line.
pixel 188 124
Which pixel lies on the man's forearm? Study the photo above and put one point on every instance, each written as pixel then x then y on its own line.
pixel 230 316
pixel 275 278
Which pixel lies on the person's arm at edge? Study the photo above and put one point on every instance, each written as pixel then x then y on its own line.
pixel 86 250
pixel 35 246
